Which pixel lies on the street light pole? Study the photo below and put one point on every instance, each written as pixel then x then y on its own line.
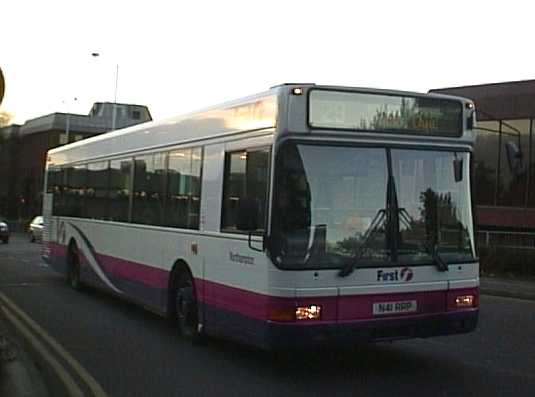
pixel 114 112
pixel 67 126
pixel 115 99
pixel 68 121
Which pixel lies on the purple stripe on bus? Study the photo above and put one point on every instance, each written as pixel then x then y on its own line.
pixel 271 334
pixel 124 269
pixel 264 307
pixel 343 308
pixel 57 250
pixel 256 305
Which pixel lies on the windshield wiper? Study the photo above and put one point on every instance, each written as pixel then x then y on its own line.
pixel 389 217
pixel 439 262
pixel 376 224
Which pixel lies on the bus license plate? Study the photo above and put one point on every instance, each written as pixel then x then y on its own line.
pixel 381 308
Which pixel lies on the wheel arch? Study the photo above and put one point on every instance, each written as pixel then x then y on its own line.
pixel 179 266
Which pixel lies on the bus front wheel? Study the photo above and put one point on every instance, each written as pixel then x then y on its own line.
pixel 186 312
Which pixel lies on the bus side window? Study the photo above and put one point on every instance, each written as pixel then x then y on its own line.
pixel 149 189
pixel 119 190
pixel 182 204
pixel 54 186
pixel 96 199
pixel 246 177
pixel 74 193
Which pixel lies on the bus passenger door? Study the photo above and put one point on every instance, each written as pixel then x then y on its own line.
pixel 235 275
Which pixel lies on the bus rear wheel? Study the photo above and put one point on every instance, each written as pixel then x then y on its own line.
pixel 186 311
pixel 73 271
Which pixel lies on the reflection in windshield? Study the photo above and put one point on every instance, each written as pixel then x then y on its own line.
pixel 335 206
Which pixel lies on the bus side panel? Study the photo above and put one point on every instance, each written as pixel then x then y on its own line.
pixel 121 258
pixel 54 250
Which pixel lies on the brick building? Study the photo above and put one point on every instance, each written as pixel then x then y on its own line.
pixel 23 150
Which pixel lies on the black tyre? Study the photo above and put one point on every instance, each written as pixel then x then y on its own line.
pixel 73 271
pixel 185 307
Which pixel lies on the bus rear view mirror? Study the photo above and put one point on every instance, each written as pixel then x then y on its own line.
pixel 458 169
pixel 247 219
pixel 515 159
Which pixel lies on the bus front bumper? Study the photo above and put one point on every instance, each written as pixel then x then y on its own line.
pixel 344 334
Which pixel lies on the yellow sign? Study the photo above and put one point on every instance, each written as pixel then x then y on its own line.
pixel 2 86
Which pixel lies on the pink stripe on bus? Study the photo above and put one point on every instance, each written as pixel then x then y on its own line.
pixel 261 306
pixel 122 268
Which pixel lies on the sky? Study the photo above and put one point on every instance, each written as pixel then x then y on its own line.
pixel 180 56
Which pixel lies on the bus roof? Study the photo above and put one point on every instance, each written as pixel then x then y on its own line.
pixel 252 113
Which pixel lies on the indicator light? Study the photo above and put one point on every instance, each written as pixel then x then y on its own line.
pixel 297 91
pixel 464 301
pixel 311 312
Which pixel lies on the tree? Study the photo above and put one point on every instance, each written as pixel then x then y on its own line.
pixel 5 118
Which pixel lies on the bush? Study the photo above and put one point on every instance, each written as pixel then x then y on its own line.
pixel 507 262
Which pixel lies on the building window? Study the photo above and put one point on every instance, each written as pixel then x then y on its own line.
pixel 246 177
pixel 513 186
pixel 486 162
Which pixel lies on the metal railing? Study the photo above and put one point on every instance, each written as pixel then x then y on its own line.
pixel 524 240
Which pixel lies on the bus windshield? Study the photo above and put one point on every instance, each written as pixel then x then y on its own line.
pixel 370 206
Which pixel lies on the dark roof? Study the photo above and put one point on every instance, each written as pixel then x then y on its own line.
pixel 98 120
pixel 10 131
pixel 498 101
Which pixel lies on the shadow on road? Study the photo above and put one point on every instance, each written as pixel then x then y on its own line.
pixel 380 359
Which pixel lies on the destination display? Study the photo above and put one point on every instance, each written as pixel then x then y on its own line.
pixel 385 113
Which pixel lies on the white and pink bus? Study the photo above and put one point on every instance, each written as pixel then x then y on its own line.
pixel 301 216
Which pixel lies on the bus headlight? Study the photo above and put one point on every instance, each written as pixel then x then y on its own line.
pixel 311 312
pixel 464 301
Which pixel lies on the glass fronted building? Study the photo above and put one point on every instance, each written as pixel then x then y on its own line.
pixel 506 117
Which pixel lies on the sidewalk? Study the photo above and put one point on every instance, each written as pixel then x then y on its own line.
pixel 507 288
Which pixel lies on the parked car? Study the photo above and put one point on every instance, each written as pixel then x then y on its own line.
pixel 35 229
pixel 4 231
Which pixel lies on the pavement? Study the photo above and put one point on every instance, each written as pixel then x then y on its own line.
pixel 518 289
pixel 21 376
